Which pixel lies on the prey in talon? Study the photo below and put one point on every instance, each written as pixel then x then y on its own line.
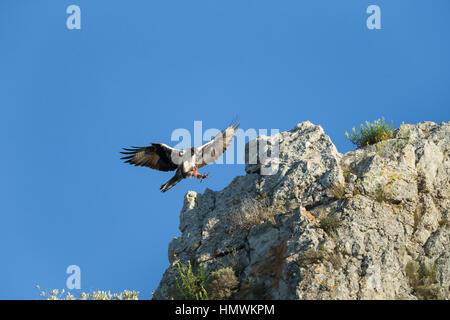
pixel 198 175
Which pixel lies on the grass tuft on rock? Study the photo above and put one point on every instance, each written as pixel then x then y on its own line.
pixel 329 224
pixel 372 133
pixel 423 280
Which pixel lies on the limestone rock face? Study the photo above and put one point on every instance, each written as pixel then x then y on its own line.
pixel 368 224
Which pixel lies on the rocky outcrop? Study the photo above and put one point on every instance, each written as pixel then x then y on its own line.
pixel 368 224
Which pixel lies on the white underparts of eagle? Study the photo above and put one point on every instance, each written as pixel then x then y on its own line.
pixel 186 162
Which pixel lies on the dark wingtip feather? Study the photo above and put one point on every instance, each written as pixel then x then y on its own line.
pixel 126 158
pixel 129 155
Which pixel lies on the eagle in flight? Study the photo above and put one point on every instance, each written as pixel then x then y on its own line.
pixel 160 156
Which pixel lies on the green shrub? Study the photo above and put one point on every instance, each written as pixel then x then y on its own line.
pixel 219 285
pixel 336 191
pixel 191 286
pixel 443 222
pixel 424 280
pixel 379 194
pixel 222 284
pixel 56 294
pixel 311 256
pixel 416 219
pixel 329 224
pixel 374 133
pixel 253 212
pixel 404 133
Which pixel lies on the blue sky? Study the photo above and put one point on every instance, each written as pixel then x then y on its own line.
pixel 137 70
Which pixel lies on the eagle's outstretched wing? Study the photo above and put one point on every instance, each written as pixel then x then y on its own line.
pixel 158 156
pixel 212 150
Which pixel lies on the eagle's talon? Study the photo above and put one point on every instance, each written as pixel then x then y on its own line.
pixel 202 176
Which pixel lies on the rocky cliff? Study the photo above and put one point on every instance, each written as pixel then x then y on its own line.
pixel 368 224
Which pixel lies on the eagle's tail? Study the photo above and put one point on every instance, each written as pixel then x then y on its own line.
pixel 169 184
